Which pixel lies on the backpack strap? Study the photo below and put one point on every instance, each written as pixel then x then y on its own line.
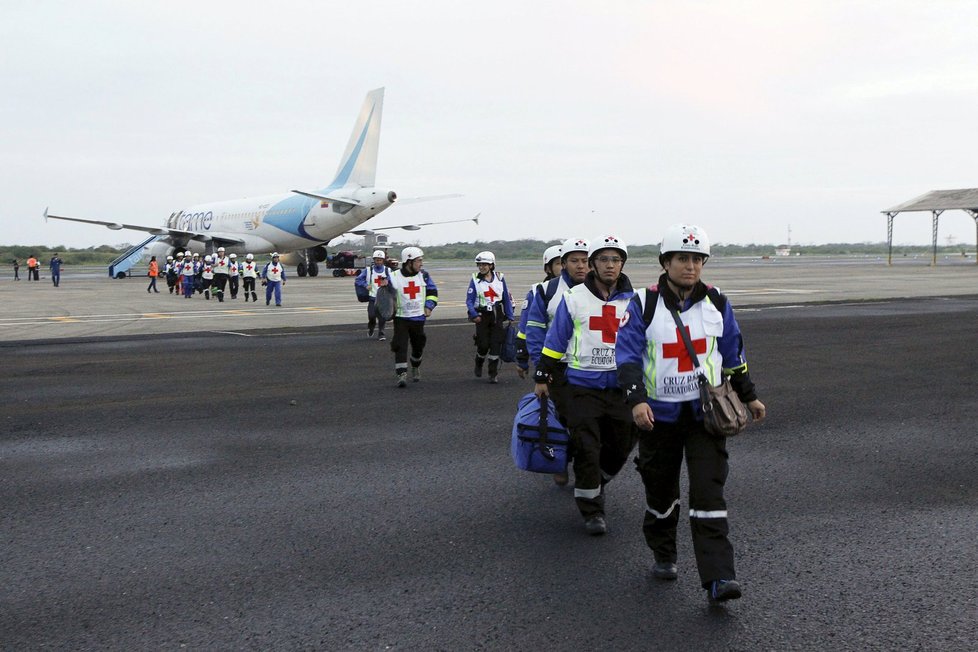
pixel 651 301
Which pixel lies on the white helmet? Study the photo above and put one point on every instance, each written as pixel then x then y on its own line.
pixel 410 253
pixel 684 237
pixel 574 244
pixel 608 242
pixel 169 257
pixel 250 257
pixel 551 253
pixel 207 258
pixel 485 257
pixel 275 254
pixel 179 254
pixel 220 249
pixel 379 254
pixel 196 255
pixel 233 256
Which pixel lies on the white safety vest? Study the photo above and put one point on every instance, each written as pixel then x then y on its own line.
pixel 562 287
pixel 592 344
pixel 234 268
pixel 188 268
pixel 488 292
pixel 208 271
pixel 250 269
pixel 375 280
pixel 669 373
pixel 411 292
pixel 273 271
pixel 222 265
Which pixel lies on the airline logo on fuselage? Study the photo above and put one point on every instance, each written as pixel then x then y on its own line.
pixel 191 221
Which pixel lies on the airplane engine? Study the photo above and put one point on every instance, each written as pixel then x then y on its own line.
pixel 318 253
pixel 292 259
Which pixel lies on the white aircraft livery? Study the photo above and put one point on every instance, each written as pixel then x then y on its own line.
pixel 299 221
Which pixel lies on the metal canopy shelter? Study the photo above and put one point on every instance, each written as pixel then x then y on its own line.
pixel 935 201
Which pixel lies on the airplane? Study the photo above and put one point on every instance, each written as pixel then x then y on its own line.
pixel 301 221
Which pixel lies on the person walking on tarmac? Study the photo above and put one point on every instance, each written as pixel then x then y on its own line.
pixel 417 296
pixel 187 272
pixel 369 280
pixel 234 273
pixel 55 265
pixel 170 272
pixel 543 307
pixel 490 308
pixel 551 269
pixel 585 330
pixel 178 268
pixel 273 278
pixel 249 272
pixel 207 276
pixel 154 271
pixel 222 268
pixel 198 273
pixel 33 265
pixel 16 264
pixel 661 389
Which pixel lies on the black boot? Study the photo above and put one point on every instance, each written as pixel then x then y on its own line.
pixel 493 370
pixel 478 366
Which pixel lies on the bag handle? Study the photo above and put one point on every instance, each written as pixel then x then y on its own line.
pixel 542 443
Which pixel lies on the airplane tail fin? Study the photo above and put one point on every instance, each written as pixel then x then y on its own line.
pixel 359 163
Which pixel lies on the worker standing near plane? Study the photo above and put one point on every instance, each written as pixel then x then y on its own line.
pixel 32 271
pixel 273 278
pixel 55 265
pixel 490 308
pixel 16 265
pixel 417 296
pixel 153 272
pixel 198 273
pixel 178 268
pixel 249 272
pixel 574 268
pixel 551 269
pixel 369 280
pixel 234 272
pixel 221 267
pixel 661 388
pixel 584 333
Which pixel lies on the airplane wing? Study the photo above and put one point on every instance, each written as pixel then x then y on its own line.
pixel 177 234
pixel 411 227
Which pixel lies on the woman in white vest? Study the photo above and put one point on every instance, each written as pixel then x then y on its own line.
pixel 583 336
pixel 490 308
pixel 207 276
pixel 234 273
pixel 661 387
pixel 249 272
pixel 417 297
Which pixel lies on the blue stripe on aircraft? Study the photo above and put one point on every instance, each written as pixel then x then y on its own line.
pixel 344 174
pixel 289 214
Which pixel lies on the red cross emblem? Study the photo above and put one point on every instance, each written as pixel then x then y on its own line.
pixel 275 270
pixel 607 323
pixel 412 289
pixel 490 294
pixel 678 350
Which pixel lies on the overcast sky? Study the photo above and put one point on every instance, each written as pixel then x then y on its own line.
pixel 553 119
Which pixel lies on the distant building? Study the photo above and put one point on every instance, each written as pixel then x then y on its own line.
pixel 783 250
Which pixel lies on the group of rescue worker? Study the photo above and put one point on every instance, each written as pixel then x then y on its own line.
pixel 187 273
pixel 617 368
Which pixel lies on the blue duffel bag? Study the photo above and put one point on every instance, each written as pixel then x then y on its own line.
pixel 508 351
pixel 539 442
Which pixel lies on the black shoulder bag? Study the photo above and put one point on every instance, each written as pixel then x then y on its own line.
pixel 724 414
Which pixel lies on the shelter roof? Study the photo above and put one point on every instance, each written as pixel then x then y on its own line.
pixel 940 200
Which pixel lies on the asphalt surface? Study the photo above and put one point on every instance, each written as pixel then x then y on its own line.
pixel 163 491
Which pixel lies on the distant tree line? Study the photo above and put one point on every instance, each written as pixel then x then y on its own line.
pixel 504 249
pixel 71 256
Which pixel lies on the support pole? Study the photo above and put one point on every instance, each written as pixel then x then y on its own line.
pixel 974 215
pixel 889 237
pixel 936 214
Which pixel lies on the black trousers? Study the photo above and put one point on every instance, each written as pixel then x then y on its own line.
pixel 489 335
pixel 233 286
pixel 602 437
pixel 220 282
pixel 372 317
pixel 249 284
pixel 407 331
pixel 659 461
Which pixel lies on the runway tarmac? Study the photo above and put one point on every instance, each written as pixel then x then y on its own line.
pixel 89 304
pixel 166 484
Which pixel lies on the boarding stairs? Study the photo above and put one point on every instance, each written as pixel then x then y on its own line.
pixel 121 266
